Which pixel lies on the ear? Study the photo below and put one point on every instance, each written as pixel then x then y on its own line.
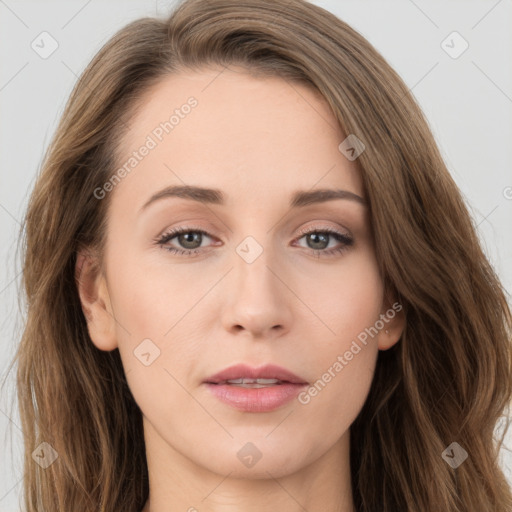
pixel 393 318
pixel 95 300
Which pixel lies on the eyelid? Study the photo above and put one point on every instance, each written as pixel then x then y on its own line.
pixel 328 229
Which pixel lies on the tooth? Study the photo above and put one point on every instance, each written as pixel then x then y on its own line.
pixel 235 381
pixel 267 381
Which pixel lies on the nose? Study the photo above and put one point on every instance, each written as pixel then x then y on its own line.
pixel 259 301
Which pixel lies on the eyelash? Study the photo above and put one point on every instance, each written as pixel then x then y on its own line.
pixel 173 233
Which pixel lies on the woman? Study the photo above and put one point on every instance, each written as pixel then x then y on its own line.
pixel 253 285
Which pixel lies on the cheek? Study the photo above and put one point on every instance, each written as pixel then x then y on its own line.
pixel 347 298
pixel 151 299
pixel 344 356
pixel 157 311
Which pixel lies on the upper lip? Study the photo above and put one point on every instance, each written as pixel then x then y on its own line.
pixel 268 371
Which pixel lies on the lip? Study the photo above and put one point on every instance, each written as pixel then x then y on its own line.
pixel 269 371
pixel 263 399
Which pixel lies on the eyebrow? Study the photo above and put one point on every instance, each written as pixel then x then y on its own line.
pixel 216 197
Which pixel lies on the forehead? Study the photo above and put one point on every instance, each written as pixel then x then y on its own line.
pixel 224 128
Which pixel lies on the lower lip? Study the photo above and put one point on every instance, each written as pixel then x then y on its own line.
pixel 255 399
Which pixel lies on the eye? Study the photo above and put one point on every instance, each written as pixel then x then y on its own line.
pixel 189 238
pixel 318 240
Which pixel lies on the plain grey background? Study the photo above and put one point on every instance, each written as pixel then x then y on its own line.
pixel 466 96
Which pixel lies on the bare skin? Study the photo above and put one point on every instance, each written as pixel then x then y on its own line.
pixel 298 304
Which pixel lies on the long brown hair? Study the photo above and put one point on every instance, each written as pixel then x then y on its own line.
pixel 448 379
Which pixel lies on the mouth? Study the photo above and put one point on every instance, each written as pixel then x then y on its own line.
pixel 246 376
pixel 246 382
pixel 255 390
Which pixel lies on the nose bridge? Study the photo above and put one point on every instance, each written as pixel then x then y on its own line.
pixel 257 300
pixel 254 257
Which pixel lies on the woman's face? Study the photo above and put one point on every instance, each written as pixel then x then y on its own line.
pixel 255 288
